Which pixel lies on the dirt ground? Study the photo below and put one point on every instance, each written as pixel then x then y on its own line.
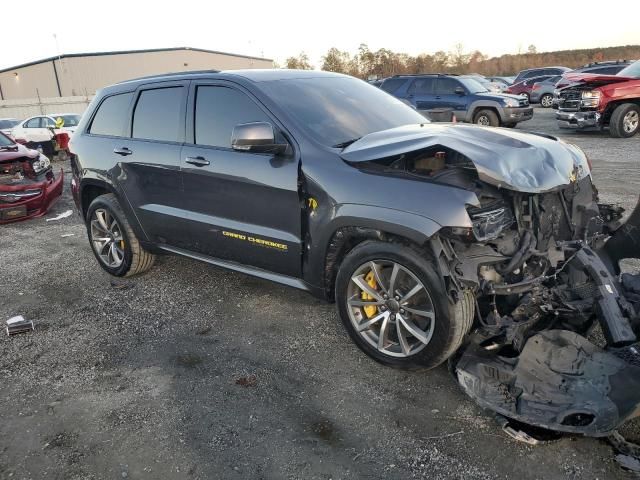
pixel 195 372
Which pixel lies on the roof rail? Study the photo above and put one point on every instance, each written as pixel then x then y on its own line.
pixel 170 74
pixel 424 74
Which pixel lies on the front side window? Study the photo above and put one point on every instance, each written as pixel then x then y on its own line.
pixel 219 110
pixel 157 114
pixel 111 117
pixel 48 122
pixel 447 86
pixel 392 84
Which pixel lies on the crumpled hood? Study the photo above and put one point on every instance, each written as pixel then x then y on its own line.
pixel 506 158
pixel 593 79
pixel 16 151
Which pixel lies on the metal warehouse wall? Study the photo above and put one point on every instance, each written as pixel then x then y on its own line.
pixel 26 108
pixel 84 75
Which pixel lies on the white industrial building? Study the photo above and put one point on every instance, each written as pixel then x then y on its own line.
pixel 81 74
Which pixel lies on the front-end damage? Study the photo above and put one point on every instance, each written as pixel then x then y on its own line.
pixel 556 325
pixel 28 185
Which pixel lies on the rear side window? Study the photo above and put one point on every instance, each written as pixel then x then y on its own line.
pixel 111 117
pixel 219 110
pixel 392 84
pixel 422 86
pixel 157 114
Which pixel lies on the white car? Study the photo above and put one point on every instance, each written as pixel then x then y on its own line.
pixel 38 129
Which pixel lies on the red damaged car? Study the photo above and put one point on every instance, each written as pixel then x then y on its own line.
pixel 28 185
pixel 597 101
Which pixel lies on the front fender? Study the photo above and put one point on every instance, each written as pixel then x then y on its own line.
pixel 478 104
pixel 367 218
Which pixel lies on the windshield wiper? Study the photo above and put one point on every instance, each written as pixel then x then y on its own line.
pixel 346 143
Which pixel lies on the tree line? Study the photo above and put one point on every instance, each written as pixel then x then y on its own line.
pixel 384 62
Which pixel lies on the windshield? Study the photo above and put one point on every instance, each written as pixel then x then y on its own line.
pixel 632 70
pixel 472 85
pixel 8 123
pixel 338 110
pixel 69 120
pixel 5 141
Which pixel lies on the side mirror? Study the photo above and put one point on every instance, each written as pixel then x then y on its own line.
pixel 459 91
pixel 256 137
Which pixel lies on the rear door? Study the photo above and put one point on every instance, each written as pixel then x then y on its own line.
pixel 421 94
pixel 148 159
pixel 34 130
pixel 243 206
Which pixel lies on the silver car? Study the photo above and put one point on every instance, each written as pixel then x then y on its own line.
pixel 542 92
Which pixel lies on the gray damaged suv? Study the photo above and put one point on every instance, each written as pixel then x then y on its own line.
pixel 485 247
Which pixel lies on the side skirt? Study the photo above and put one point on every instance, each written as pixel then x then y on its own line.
pixel 255 272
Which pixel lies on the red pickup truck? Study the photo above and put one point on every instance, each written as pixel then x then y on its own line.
pixel 598 101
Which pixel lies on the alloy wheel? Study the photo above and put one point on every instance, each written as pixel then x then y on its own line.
pixel 390 308
pixel 106 238
pixel 483 120
pixel 630 121
pixel 546 101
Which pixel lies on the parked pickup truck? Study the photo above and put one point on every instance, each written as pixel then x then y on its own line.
pixel 597 101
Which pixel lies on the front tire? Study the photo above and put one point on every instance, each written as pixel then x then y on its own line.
pixel 393 304
pixel 486 118
pixel 113 241
pixel 546 100
pixel 625 121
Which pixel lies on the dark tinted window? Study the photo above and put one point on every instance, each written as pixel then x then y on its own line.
pixel 33 123
pixel 111 117
pixel 335 110
pixel 447 86
pixel 610 70
pixel 392 84
pixel 219 110
pixel 157 114
pixel 422 86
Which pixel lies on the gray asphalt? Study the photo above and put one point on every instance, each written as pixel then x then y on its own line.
pixel 191 371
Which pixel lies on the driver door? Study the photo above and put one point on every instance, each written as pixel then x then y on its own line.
pixel 242 206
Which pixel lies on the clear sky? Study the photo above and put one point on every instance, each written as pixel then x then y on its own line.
pixel 278 29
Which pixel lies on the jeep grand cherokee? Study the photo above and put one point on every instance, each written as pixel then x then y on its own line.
pixel 431 238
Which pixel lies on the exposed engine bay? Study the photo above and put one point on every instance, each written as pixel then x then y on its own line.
pixel 543 264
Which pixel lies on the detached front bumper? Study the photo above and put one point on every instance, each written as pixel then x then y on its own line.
pixel 30 198
pixel 517 114
pixel 590 119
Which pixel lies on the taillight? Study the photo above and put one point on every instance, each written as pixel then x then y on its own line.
pixel 535 87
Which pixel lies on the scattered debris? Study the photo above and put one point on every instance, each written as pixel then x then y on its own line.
pixel 204 331
pixel 526 433
pixel 121 285
pixel 444 435
pixel 18 324
pixel 189 360
pixel 628 453
pixel 249 381
pixel 65 235
pixel 60 216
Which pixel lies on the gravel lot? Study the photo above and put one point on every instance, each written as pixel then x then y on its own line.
pixel 191 371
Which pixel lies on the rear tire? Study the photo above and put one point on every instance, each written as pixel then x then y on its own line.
pixel 120 253
pixel 439 333
pixel 486 118
pixel 625 121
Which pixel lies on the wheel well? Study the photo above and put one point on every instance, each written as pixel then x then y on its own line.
pixel 477 109
pixel 89 194
pixel 611 106
pixel 346 239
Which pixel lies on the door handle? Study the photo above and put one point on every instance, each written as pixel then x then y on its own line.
pixel 197 161
pixel 124 151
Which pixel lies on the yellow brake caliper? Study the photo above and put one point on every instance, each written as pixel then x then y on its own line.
pixel 371 310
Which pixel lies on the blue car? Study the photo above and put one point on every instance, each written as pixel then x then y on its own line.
pixel 469 100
